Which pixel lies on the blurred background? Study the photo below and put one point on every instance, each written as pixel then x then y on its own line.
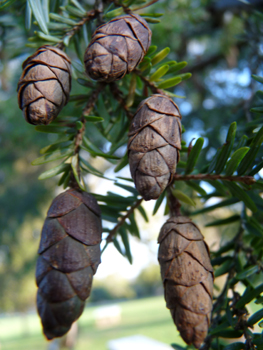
pixel 222 42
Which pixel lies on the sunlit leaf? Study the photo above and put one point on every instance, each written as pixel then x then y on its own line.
pixel 94 151
pixel 185 76
pixel 75 12
pixel 257 78
pixel 248 296
pixel 88 167
pixel 114 13
pixel 218 186
pixel 183 197
pixel 117 245
pixel 125 241
pixel 54 171
pixel 247 272
pixel 193 156
pixel 52 129
pixel 235 159
pixel 151 14
pixel 39 15
pixel 151 50
pixel 122 163
pixel 227 221
pixel 169 83
pixel 177 66
pixel 238 192
pixel 45 8
pixel 143 213
pixel 128 188
pixel 160 56
pixel 28 16
pixel 64 177
pixel 49 157
pixel 158 203
pixel 256 169
pixel 221 204
pixel 152 20
pixel 75 167
pixel 226 149
pixel 78 50
pixel 159 73
pixel 251 154
pixel 49 38
pixel 78 5
pixel 196 187
pixel 224 268
pixel 62 19
pixel 131 93
pixel 94 119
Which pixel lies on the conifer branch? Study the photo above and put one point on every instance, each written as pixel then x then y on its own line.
pixel 248 180
pixel 113 232
pixel 144 6
pixel 80 132
pixel 86 111
pixel 126 9
pixel 148 83
pixel 174 204
pixel 88 17
pixel 118 96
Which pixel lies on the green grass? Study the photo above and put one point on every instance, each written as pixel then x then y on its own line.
pixel 147 317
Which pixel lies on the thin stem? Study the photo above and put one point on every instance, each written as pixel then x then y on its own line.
pixel 88 16
pixel 148 83
pixel 248 180
pixel 99 9
pixel 86 111
pixel 144 6
pixel 174 204
pixel 80 133
pixel 126 9
pixel 122 220
pixel 118 96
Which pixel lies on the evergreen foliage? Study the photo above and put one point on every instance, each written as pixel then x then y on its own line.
pixel 96 122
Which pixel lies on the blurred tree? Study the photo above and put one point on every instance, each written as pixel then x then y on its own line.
pixel 222 41
pixel 110 288
pixel 148 282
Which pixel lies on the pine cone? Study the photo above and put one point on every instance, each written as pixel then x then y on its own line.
pixel 154 144
pixel 187 277
pixel 117 47
pixel 69 256
pixel 44 86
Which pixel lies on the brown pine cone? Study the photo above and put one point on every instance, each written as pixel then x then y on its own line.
pixel 117 47
pixel 69 256
pixel 44 86
pixel 187 277
pixel 154 144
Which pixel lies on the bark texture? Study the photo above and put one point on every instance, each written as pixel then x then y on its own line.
pixel 154 144
pixel 117 47
pixel 44 86
pixel 187 277
pixel 69 254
